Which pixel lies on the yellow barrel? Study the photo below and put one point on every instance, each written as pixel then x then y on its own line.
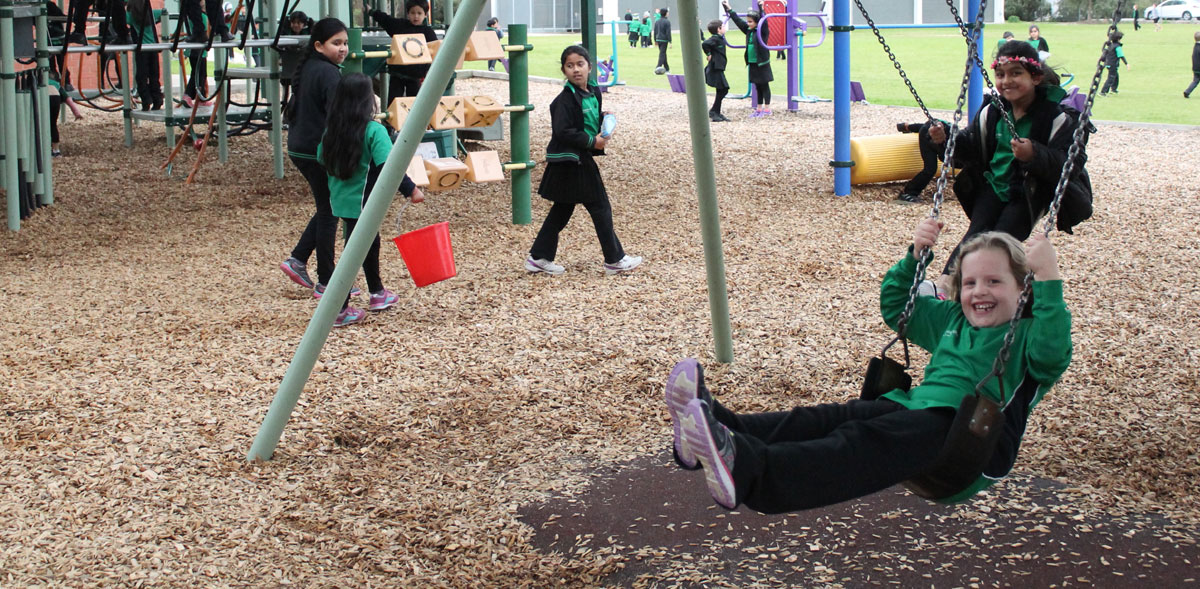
pixel 885 158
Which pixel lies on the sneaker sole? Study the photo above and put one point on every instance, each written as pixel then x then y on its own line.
pixel 354 292
pixel 700 441
pixel 383 307
pixel 612 271
pixel 530 268
pixel 295 276
pixel 682 385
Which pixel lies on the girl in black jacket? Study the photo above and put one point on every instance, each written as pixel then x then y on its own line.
pixel 571 175
pixel 714 72
pixel 406 79
pixel 758 58
pixel 316 78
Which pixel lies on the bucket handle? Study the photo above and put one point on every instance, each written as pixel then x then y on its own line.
pixel 400 214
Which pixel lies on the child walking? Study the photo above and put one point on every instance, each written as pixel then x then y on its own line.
pixel 714 71
pixel 1195 66
pixel 143 22
pixel 758 57
pixel 1008 182
pixel 1112 61
pixel 571 175
pixel 353 150
pixel 820 455
pixel 406 79
pixel 316 78
pixel 493 24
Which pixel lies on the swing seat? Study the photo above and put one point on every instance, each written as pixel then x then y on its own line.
pixel 969 446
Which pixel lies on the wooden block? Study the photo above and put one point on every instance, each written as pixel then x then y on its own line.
pixel 398 111
pixel 450 113
pixel 484 45
pixel 409 50
pixel 484 166
pixel 482 111
pixel 434 46
pixel 416 171
pixel 445 173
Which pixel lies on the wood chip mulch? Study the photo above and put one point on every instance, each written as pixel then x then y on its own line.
pixel 147 328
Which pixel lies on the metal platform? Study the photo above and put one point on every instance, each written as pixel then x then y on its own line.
pixel 179 117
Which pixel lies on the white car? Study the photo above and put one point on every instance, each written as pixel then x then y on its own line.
pixel 1182 9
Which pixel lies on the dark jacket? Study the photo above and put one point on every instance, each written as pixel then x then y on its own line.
pixel 715 46
pixel 764 54
pixel 312 92
pixel 1196 58
pixel 568 140
pixel 662 31
pixel 401 26
pixel 1052 135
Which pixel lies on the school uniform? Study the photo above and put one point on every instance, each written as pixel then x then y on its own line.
pixel 644 30
pixel 1195 70
pixel 499 35
pixel 662 37
pixel 571 176
pixel 1112 62
pixel 146 63
pixel 714 71
pixel 405 79
pixel 758 58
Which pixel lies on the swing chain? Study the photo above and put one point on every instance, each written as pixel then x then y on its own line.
pixel 967 33
pixel 1073 153
pixel 895 62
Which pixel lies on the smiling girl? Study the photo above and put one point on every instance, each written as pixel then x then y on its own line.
pixel 824 454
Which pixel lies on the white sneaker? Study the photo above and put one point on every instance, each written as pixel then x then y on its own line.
pixel 623 265
pixel 929 288
pixel 543 265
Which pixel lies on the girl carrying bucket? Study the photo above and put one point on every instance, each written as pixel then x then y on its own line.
pixel 572 176
pixel 354 148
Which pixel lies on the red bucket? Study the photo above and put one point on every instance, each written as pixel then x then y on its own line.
pixel 427 253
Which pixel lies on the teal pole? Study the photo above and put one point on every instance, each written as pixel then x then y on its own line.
pixel 353 65
pixel 273 96
pixel 368 226
pixel 168 91
pixel 8 108
pixel 518 93
pixel 43 62
pixel 706 182
pixel 223 88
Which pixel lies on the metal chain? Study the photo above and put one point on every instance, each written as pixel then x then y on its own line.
pixel 966 32
pixel 895 62
pixel 1073 154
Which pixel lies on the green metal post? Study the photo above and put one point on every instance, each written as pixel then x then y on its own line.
pixel 126 94
pixel 43 61
pixel 587 26
pixel 273 96
pixel 706 182
pixel 8 112
pixel 354 65
pixel 223 87
pixel 368 226
pixel 168 90
pixel 518 93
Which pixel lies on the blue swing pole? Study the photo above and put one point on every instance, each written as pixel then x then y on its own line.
pixel 841 98
pixel 975 87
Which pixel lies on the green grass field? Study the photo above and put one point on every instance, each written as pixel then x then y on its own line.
pixel 1151 91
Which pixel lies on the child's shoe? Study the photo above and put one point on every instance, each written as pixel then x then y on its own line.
pixel 686 382
pixel 543 265
pixel 297 271
pixel 55 153
pixel 349 316
pixel 623 265
pixel 929 288
pixel 713 445
pixel 382 300
pixel 909 198
pixel 755 114
pixel 766 112
pixel 319 291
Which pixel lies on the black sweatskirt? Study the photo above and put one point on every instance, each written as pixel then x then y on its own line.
pixel 715 78
pixel 761 73
pixel 571 182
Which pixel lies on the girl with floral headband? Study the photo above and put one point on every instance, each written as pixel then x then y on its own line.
pixel 1007 182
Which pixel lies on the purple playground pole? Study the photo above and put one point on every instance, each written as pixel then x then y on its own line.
pixel 793 73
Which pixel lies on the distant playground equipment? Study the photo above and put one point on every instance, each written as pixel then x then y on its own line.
pixel 785 29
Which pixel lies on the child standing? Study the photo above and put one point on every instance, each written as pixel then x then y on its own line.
pixel 316 78
pixel 493 24
pixel 1038 43
pixel 758 57
pixel 714 71
pixel 406 79
pixel 1112 61
pixel 143 23
pixel 1195 66
pixel 58 97
pixel 571 175
pixel 354 148
pixel 645 29
pixel 1008 182
pixel 820 455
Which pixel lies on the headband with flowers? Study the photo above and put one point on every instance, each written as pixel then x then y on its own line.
pixel 1005 59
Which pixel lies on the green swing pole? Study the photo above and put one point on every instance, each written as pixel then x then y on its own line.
pixel 518 94
pixel 8 112
pixel 43 97
pixel 368 226
pixel 706 182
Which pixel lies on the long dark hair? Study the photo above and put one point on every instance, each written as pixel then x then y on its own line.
pixel 1029 60
pixel 352 108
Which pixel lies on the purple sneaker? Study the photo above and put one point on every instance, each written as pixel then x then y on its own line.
pixel 712 443
pixel 319 291
pixel 349 316
pixel 686 382
pixel 382 300
pixel 297 271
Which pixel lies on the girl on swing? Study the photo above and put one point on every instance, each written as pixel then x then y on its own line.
pixel 824 454
pixel 1008 182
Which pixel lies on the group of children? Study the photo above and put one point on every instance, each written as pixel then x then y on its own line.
pixel 757 57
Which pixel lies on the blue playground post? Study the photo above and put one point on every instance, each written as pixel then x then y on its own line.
pixel 975 88
pixel 841 98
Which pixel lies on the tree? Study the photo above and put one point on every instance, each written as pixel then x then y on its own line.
pixel 1026 10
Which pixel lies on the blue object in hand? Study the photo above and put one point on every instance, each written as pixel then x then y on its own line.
pixel 608 125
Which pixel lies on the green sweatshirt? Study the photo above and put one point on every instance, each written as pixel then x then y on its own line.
pixel 962 355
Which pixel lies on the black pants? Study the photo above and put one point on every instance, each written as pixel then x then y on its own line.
pixel 1192 86
pixel 716 107
pixel 55 107
pixel 198 75
pixel 149 88
pixel 399 85
pixel 1113 79
pixel 764 93
pixel 662 56
pixel 321 231
pixel 824 454
pixel 1015 217
pixel 370 264
pixel 190 11
pixel 115 9
pixel 633 39
pixel 929 161
pixel 545 246
pixel 645 41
